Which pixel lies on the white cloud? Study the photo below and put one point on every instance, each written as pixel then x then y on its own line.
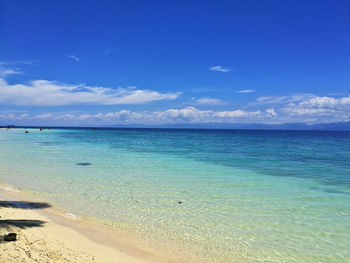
pixel 65 117
pixel 194 115
pixel 293 111
pixel 326 102
pixel 18 62
pixel 12 116
pixel 220 69
pixel 245 91
pixel 23 116
pixel 307 108
pixel 319 106
pixel 316 110
pixel 271 112
pixel 52 93
pixel 319 109
pixel 234 114
pixel 4 72
pixel 44 116
pixel 282 99
pixel 209 101
pixel 7 116
pixel 184 115
pixel 74 57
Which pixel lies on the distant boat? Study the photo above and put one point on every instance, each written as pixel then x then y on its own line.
pixel 26 131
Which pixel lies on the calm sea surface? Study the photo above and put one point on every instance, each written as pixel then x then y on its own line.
pixel 243 196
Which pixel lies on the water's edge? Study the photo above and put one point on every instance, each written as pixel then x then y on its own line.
pixel 106 232
pixel 249 195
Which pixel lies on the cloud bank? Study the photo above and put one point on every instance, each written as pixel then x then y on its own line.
pixel 337 109
pixel 184 115
pixel 304 108
pixel 52 93
pixel 308 108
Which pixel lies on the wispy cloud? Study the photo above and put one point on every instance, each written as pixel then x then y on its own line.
pixel 108 51
pixel 220 69
pixel 18 62
pixel 9 71
pixel 74 57
pixel 6 68
pixel 53 93
pixel 12 116
pixel 245 91
pixel 283 100
pixel 209 101
pixel 44 116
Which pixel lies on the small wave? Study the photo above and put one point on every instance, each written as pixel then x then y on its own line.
pixel 70 215
pixel 8 188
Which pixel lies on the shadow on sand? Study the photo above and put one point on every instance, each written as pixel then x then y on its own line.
pixel 24 205
pixel 7 224
pixel 21 223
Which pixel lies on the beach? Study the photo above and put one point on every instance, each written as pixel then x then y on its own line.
pixel 45 235
pixel 143 195
pixel 175 132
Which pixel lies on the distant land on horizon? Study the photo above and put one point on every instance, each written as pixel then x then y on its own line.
pixel 337 126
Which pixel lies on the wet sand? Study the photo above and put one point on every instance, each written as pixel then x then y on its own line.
pixel 43 235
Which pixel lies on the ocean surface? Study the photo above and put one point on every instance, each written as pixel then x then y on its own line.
pixel 227 196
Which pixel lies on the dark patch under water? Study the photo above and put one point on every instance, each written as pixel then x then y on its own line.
pixel 318 155
pixel 328 190
pixel 83 164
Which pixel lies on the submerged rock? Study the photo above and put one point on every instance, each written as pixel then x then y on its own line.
pixel 10 237
pixel 83 164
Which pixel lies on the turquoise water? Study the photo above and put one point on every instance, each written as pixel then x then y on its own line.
pixel 243 196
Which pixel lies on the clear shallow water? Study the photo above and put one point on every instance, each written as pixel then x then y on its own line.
pixel 250 196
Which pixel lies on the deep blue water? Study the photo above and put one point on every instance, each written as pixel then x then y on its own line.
pixel 320 155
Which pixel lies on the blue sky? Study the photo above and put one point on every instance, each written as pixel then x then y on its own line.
pixel 109 62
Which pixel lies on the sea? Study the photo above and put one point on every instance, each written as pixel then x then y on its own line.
pixel 220 195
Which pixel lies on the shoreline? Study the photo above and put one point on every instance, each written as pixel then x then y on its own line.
pixel 66 236
pixel 156 199
pixel 137 238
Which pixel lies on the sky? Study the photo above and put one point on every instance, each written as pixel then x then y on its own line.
pixel 81 63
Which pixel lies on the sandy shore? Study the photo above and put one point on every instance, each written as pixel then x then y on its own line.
pixel 45 236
